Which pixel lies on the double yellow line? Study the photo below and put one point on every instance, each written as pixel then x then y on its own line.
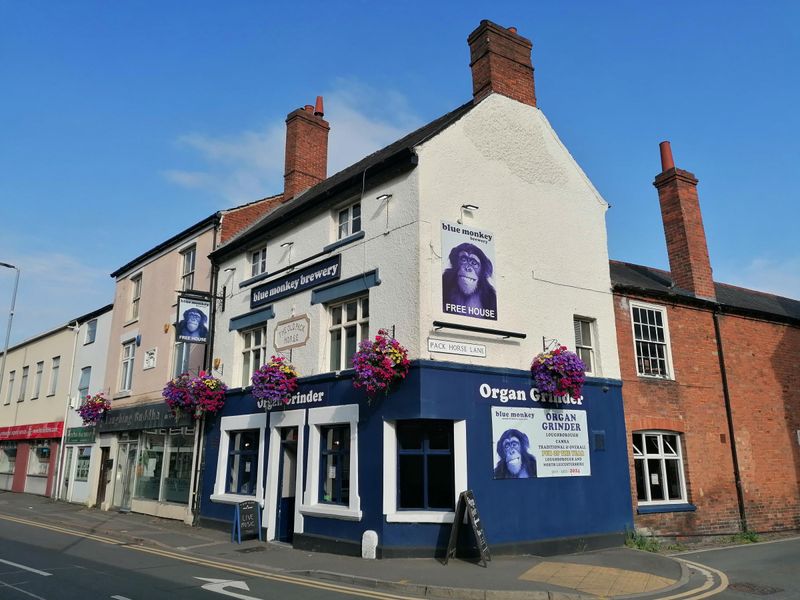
pixel 194 560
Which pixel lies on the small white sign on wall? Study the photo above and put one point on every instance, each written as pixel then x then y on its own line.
pixel 150 359
pixel 460 348
pixel 292 333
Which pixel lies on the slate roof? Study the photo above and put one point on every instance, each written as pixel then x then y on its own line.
pixel 656 282
pixel 393 154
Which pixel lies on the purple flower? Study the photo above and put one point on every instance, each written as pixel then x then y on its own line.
pixel 559 372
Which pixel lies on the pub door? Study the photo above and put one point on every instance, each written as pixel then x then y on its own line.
pixel 106 463
pixel 126 473
pixel 287 476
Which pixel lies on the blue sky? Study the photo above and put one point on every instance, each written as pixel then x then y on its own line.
pixel 124 122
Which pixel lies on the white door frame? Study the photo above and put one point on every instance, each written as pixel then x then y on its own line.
pixel 278 420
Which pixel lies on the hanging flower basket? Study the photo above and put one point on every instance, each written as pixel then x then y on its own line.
pixel 93 408
pixel 275 382
pixel 559 372
pixel 195 395
pixel 379 363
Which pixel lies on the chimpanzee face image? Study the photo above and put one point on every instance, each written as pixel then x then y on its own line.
pixel 511 455
pixel 515 461
pixel 466 286
pixel 469 271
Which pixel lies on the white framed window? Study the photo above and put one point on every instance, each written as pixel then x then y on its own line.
pixel 651 340
pixel 8 456
pixel 258 261
pixel 181 362
pixel 91 332
pixel 55 366
pixel 136 295
pixel 82 463
pixel 254 351
pixel 417 477
pixel 83 383
pixel 235 433
pixel 126 366
pixel 23 384
pixel 39 459
pixel 584 341
pixel 658 464
pixel 188 257
pixel 349 220
pixel 12 375
pixel 37 380
pixel 349 326
pixel 332 478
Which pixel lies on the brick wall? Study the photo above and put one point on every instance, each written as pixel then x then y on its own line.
pixel 761 376
pixel 235 220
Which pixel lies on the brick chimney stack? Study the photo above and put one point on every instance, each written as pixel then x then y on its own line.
pixel 306 149
pixel 500 59
pixel 683 227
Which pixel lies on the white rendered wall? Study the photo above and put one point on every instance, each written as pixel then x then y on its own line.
pixel 549 229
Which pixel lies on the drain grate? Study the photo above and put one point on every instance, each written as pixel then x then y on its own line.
pixel 754 588
pixel 253 549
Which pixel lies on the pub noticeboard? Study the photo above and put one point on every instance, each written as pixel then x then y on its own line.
pixel 466 504
pixel 246 521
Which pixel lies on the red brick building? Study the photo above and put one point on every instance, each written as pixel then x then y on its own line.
pixel 710 377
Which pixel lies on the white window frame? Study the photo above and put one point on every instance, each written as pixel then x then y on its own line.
pixel 258 261
pixel 37 380
pixel 591 347
pixel 662 457
pixel 12 375
pixel 91 332
pixel 83 390
pixel 346 223
pixel 318 418
pixel 246 364
pixel 126 366
pixel 670 374
pixel 227 426
pixel 181 355
pixel 23 383
pixel 362 329
pixel 278 420
pixel 136 296
pixel 55 367
pixel 390 477
pixel 188 262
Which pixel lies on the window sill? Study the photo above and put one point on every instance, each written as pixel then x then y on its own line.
pixel 131 322
pixel 665 508
pixel 344 241
pixel 235 499
pixel 331 510
pixel 655 377
pixel 37 475
pixel 420 516
pixel 121 395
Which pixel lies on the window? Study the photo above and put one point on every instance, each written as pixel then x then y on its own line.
pixel 82 464
pixel 425 466
pixel 37 380
pixel 126 371
pixel 349 325
pixel 23 384
pixel 350 220
pixel 187 268
pixel 658 464
pixel 151 462
pixel 10 394
pixel 8 456
pixel 258 261
pixel 242 462
pixel 39 459
pixel 584 341
pixel 83 383
pixel 136 295
pixel 91 332
pixel 335 464
pixel 182 350
pixel 54 367
pixel 254 352
pixel 179 466
pixel 651 340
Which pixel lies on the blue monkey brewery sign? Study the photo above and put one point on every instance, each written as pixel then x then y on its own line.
pixel 468 281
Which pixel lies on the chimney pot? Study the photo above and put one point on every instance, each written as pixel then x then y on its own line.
pixel 667 162
pixel 308 108
pixel 318 109
pixel 512 29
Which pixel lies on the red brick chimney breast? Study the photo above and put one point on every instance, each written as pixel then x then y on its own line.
pixel 306 150
pixel 683 228
pixel 500 59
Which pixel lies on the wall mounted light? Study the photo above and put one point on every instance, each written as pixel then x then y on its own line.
pixel 466 207
pixel 385 199
pixel 288 245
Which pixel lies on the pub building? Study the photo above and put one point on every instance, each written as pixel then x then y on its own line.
pixel 477 242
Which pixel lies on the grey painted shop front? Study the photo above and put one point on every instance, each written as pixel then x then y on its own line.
pixel 329 466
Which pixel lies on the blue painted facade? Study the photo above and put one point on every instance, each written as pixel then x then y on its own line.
pixel 516 513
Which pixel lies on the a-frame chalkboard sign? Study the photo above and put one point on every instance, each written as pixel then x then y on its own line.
pixel 466 503
pixel 246 521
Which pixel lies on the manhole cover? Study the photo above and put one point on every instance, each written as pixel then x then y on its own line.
pixel 253 549
pixel 754 588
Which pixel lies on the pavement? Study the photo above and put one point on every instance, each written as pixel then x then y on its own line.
pixel 612 573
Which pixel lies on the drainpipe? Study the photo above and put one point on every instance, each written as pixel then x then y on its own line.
pixel 729 415
pixel 62 448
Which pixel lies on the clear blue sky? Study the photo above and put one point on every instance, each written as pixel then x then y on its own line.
pixel 124 122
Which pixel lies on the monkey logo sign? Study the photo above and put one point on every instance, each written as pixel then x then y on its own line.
pixel 468 272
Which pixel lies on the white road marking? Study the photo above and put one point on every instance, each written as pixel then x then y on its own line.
pixel 120 598
pixel 21 591
pixel 219 585
pixel 19 566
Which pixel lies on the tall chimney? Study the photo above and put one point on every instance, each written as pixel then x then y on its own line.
pixel 683 227
pixel 306 149
pixel 500 59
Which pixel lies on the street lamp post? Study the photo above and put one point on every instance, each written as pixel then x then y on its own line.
pixel 10 319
